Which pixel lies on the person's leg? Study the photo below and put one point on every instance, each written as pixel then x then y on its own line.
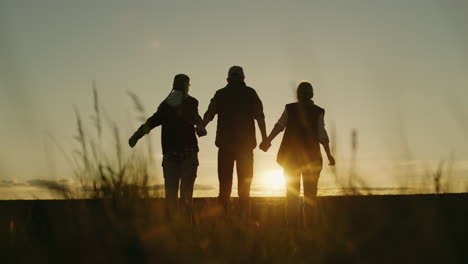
pixel 292 177
pixel 310 176
pixel 189 173
pixel 225 170
pixel 171 171
pixel 244 165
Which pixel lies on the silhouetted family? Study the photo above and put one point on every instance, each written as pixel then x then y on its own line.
pixel 238 106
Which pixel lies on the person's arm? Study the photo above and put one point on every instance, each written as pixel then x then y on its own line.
pixel 324 140
pixel 200 127
pixel 152 122
pixel 278 128
pixel 211 111
pixel 274 132
pixel 259 115
pixel 262 126
pixel 197 121
pixel 331 159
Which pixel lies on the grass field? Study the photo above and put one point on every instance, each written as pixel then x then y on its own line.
pixel 347 229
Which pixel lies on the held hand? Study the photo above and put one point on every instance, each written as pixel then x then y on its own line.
pixel 132 141
pixel 201 131
pixel 265 145
pixel 331 160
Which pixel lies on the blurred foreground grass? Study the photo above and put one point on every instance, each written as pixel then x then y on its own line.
pixel 346 229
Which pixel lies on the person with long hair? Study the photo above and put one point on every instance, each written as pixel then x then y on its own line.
pixel 180 121
pixel 299 153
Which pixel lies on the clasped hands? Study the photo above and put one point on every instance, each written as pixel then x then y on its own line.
pixel 265 145
pixel 201 130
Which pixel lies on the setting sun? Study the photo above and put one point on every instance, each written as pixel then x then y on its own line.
pixel 274 179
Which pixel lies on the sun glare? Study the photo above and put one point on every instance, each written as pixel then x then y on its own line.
pixel 274 179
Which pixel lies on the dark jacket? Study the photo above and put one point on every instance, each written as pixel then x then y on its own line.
pixel 236 105
pixel 300 145
pixel 178 126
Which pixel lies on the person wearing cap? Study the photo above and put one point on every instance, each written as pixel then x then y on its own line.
pixel 299 152
pixel 179 118
pixel 237 107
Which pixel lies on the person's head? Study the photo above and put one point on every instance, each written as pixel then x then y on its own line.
pixel 305 92
pixel 235 74
pixel 181 83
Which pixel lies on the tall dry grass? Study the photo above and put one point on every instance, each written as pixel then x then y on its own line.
pixel 108 170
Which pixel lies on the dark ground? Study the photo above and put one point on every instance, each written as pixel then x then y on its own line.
pixel 347 229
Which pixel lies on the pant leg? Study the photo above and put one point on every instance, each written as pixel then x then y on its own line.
pixel 244 165
pixel 310 177
pixel 293 187
pixel 172 175
pixel 225 170
pixel 189 168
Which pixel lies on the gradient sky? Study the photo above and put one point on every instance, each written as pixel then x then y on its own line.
pixel 396 71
